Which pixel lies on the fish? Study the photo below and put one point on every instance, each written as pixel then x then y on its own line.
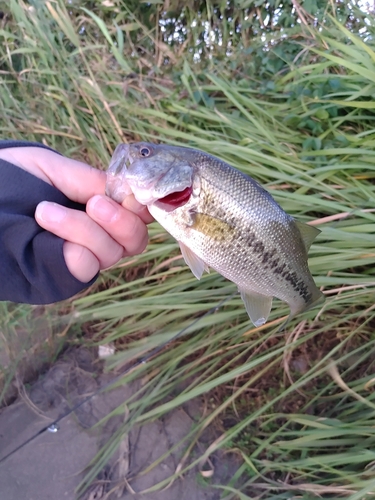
pixel 222 219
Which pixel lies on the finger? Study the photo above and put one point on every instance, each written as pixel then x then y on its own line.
pixel 80 261
pixel 78 181
pixel 130 203
pixel 77 227
pixel 123 226
pixel 75 179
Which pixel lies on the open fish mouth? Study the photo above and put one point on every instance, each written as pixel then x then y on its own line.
pixel 169 200
pixel 177 198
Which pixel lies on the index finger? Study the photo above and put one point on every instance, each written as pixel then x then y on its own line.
pixel 77 180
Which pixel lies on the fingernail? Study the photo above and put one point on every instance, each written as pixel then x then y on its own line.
pixel 50 212
pixel 104 209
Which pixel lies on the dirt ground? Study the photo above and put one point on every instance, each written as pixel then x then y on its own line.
pixel 52 465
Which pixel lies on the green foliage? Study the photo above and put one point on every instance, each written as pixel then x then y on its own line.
pixel 293 109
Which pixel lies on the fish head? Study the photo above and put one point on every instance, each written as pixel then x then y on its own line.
pixel 154 174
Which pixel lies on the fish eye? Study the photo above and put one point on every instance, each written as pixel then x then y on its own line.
pixel 145 152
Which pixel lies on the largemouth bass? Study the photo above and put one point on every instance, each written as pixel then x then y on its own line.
pixel 222 219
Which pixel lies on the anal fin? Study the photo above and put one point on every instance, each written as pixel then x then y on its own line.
pixel 195 263
pixel 258 306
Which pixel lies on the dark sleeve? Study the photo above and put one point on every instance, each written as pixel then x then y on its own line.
pixel 32 264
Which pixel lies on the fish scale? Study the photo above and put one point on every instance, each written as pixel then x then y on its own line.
pixel 228 222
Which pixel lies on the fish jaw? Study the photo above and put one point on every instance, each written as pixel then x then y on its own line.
pixel 161 178
pixel 151 189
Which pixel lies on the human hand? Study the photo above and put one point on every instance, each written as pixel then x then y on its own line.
pixel 95 239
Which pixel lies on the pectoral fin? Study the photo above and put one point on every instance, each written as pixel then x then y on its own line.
pixel 195 263
pixel 258 306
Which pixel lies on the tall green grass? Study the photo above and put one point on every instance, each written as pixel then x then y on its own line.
pixel 297 406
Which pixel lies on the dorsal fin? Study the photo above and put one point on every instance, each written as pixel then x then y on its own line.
pixel 308 233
